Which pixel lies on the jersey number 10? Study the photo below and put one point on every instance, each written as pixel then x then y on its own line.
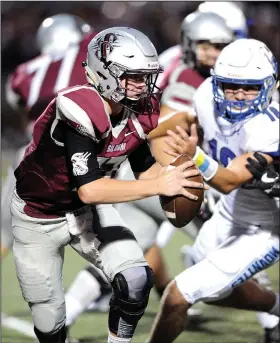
pixel 226 155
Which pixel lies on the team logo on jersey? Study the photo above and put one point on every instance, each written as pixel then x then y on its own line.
pixel 79 161
pixel 105 45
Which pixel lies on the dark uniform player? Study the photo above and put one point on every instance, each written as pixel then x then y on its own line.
pixel 203 35
pixel 78 143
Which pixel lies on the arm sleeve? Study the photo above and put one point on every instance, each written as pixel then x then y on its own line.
pixel 141 159
pixel 81 157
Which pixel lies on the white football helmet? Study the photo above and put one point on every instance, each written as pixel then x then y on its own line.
pixel 118 52
pixel 198 27
pixel 249 62
pixel 232 14
pixel 58 32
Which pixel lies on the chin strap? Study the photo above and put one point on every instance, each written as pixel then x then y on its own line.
pixel 91 77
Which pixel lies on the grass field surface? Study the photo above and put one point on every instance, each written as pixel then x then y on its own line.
pixel 216 325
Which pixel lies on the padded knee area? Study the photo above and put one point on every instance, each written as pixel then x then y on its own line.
pixel 138 282
pixel 48 318
pixel 131 289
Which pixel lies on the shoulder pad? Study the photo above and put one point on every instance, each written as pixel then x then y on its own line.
pixel 83 108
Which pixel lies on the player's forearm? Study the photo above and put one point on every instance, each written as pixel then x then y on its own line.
pixel 224 180
pixel 158 136
pixel 110 191
pixel 157 147
pixel 151 173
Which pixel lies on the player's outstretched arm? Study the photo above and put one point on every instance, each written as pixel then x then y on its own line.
pixel 235 174
pixel 223 179
pixel 93 188
pixel 168 182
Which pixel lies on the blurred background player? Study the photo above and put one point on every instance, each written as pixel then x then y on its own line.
pixel 229 11
pixel 62 40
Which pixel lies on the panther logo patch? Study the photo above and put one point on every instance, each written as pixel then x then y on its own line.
pixel 79 161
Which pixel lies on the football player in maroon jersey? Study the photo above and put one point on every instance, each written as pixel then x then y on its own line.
pixel 205 30
pixel 203 35
pixel 65 184
pixel 62 41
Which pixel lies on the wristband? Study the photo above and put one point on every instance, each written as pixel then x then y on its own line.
pixel 205 164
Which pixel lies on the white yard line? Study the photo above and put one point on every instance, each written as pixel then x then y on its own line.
pixel 18 325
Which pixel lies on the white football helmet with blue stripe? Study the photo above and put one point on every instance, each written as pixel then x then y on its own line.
pixel 244 62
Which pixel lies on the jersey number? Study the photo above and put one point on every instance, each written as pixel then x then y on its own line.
pixel 40 67
pixel 226 155
pixel 111 165
pixel 272 113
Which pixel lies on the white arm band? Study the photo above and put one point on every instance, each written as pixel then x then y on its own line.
pixel 205 164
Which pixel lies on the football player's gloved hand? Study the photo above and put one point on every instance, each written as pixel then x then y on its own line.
pixel 265 176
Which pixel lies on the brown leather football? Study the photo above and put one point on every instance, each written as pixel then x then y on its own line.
pixel 180 210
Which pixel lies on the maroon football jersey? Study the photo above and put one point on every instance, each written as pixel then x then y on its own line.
pixel 35 83
pixel 164 78
pixel 44 177
pixel 179 87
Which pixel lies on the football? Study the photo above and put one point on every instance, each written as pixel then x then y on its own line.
pixel 180 210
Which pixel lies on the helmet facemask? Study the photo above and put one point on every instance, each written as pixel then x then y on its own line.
pixel 244 64
pixel 238 110
pixel 149 93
